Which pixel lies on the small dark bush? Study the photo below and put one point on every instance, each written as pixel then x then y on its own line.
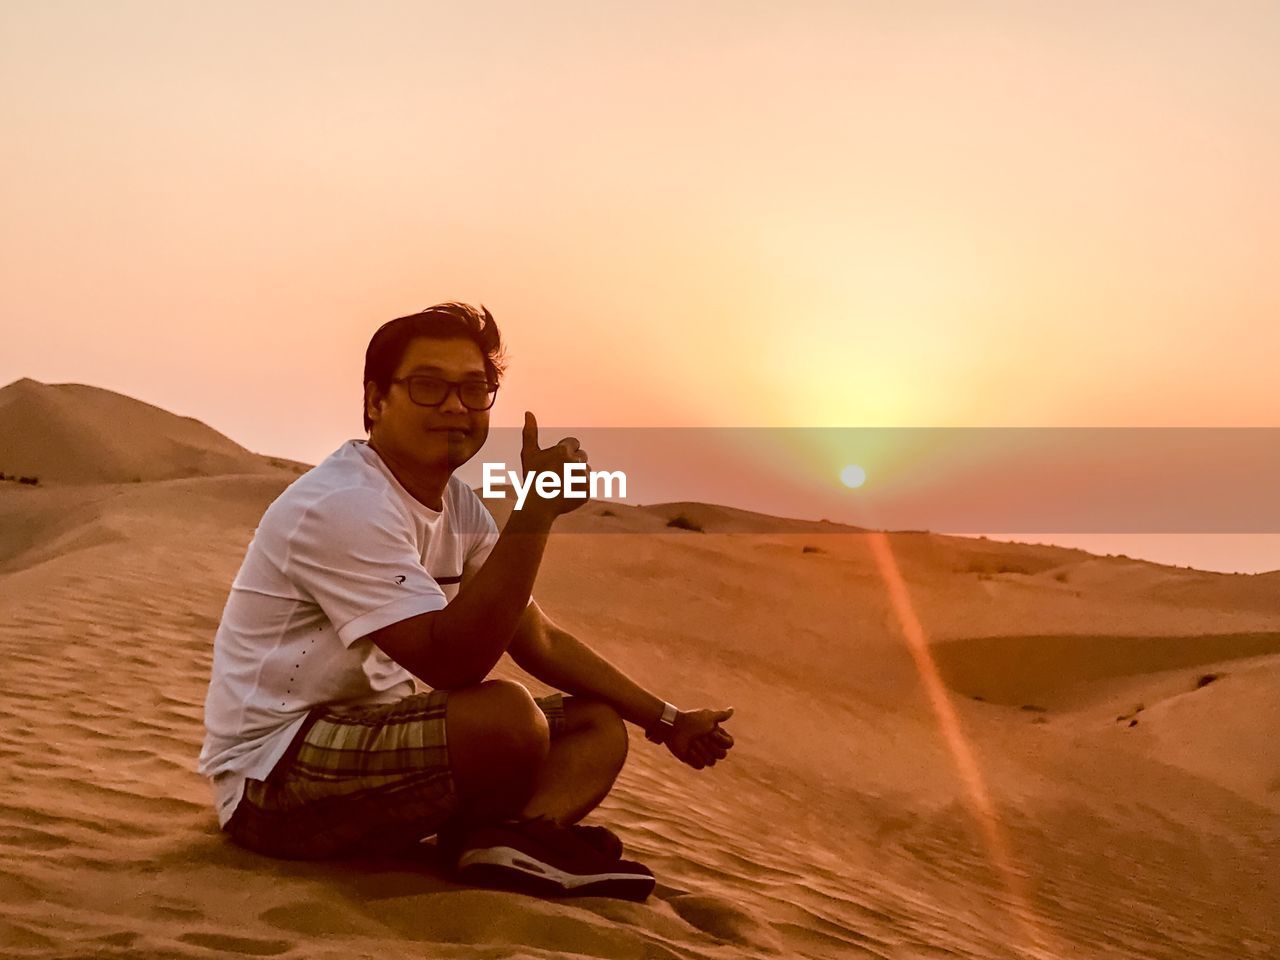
pixel 1032 708
pixel 681 522
pixel 34 481
pixel 1207 679
pixel 1012 568
pixel 607 513
pixel 812 549
pixel 985 568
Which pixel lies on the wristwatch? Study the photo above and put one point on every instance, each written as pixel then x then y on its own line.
pixel 663 726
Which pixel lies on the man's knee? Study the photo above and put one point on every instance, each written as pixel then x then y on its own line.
pixel 498 736
pixel 607 725
pixel 517 723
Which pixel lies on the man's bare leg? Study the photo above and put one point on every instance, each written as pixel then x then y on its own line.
pixel 498 740
pixel 505 764
pixel 582 764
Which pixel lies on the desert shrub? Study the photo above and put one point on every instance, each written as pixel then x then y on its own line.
pixel 985 568
pixel 607 513
pixel 33 481
pixel 1207 679
pixel 681 522
pixel 809 548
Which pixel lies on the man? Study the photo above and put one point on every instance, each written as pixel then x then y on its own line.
pixel 379 566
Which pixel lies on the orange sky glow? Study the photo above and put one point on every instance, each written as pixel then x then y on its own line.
pixel 712 215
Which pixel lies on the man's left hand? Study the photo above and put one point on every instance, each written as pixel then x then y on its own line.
pixel 697 739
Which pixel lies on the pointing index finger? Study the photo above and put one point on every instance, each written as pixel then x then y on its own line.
pixel 530 432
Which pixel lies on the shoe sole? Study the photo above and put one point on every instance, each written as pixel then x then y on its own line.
pixel 510 869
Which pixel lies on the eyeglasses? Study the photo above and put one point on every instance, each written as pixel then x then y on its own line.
pixel 432 391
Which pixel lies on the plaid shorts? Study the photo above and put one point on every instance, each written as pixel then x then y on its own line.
pixel 359 780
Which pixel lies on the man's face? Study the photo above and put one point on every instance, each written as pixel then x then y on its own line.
pixel 448 434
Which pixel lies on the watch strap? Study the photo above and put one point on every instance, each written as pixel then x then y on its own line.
pixel 663 725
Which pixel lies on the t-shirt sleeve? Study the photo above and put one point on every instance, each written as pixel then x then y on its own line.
pixel 484 535
pixel 353 551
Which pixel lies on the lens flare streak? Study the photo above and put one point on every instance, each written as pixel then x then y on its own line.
pixel 976 797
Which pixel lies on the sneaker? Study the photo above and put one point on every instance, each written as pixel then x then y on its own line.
pixel 541 857
pixel 602 838
pixel 450 841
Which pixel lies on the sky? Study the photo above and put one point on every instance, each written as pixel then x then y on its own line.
pixel 723 214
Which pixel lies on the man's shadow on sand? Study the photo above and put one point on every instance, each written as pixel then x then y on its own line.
pixel 419 870
pixel 415 869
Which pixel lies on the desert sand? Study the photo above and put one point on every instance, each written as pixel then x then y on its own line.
pixel 946 747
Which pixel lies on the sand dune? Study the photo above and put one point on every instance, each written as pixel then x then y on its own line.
pixel 841 825
pixel 72 433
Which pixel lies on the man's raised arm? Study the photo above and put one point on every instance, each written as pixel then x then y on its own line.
pixel 459 645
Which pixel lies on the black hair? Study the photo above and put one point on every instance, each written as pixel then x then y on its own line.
pixel 444 321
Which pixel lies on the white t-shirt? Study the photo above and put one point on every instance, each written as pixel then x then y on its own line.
pixel 344 551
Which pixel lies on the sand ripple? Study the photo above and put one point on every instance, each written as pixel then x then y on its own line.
pixel 837 829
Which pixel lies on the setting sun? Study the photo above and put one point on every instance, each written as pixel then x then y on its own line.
pixel 853 476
